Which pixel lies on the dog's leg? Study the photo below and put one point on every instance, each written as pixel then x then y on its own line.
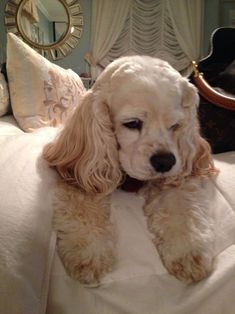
pixel 85 234
pixel 182 225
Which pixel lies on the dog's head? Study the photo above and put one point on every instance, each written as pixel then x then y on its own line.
pixel 140 117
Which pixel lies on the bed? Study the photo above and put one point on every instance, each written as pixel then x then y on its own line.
pixel 32 278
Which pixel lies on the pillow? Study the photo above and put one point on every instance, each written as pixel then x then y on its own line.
pixel 42 93
pixel 4 96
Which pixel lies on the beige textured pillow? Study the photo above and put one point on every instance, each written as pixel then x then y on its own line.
pixel 4 96
pixel 42 93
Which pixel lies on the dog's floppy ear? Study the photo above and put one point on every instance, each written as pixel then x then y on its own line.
pixel 197 152
pixel 203 162
pixel 85 152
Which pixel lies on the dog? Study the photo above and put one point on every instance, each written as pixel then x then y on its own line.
pixel 138 119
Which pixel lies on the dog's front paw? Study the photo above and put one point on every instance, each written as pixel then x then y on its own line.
pixel 89 270
pixel 87 259
pixel 190 267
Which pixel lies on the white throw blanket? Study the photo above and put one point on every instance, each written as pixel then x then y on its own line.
pixel 27 242
pixel 139 284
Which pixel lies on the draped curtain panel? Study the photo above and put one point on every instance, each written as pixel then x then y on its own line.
pixel 108 18
pixel 168 29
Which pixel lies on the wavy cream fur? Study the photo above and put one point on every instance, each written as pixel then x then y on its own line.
pixel 85 153
pixel 95 149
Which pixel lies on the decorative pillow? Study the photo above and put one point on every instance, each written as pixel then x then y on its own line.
pixel 42 93
pixel 4 96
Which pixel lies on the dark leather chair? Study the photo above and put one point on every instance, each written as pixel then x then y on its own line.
pixel 222 52
pixel 217 108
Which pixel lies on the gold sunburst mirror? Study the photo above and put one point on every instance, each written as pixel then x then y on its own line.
pixel 52 27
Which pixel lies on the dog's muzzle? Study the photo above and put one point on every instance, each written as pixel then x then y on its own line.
pixel 162 161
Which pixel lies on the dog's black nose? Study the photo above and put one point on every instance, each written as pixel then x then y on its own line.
pixel 162 161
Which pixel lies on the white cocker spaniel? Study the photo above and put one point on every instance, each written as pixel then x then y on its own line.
pixel 139 119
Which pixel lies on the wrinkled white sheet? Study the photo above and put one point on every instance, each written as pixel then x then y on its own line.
pixel 139 284
pixel 27 242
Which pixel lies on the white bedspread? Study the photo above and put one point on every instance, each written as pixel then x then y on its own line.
pixel 139 284
pixel 27 242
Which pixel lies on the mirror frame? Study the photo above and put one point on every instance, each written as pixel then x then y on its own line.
pixel 64 45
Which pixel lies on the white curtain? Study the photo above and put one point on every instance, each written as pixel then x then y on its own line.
pixel 187 20
pixel 29 16
pixel 167 29
pixel 108 18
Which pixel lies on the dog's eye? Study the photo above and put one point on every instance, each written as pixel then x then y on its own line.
pixel 134 124
pixel 175 127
